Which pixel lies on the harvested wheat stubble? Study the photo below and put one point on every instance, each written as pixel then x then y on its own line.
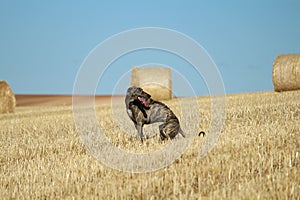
pixel 155 81
pixel 7 98
pixel 286 72
pixel 43 157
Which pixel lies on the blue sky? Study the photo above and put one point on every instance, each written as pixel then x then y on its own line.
pixel 43 44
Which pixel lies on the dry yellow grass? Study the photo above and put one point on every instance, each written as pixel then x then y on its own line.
pixel 257 156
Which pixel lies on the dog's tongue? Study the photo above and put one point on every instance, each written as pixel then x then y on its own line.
pixel 141 99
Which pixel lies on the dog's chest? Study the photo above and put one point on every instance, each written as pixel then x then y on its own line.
pixel 129 112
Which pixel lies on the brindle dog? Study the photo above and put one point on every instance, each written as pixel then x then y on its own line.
pixel 142 109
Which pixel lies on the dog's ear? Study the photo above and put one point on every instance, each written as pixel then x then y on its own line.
pixel 128 97
pixel 131 89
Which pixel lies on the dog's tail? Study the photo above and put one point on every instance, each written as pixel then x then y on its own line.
pixel 201 133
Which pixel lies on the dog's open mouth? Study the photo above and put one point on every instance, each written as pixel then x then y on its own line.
pixel 145 103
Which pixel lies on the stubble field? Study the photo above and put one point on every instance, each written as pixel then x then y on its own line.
pixel 257 155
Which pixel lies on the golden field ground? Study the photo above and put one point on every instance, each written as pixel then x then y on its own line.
pixel 257 155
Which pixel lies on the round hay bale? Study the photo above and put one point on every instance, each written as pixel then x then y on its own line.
pixel 286 72
pixel 7 98
pixel 155 81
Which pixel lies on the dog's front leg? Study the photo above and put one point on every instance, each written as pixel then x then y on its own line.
pixel 139 128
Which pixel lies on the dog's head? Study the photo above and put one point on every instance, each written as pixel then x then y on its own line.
pixel 136 93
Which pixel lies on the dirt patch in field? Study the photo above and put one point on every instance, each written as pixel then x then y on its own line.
pixel 58 100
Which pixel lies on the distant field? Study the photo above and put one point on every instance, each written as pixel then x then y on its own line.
pixel 257 155
pixel 54 100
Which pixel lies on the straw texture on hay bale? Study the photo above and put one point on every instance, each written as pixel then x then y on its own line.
pixel 155 81
pixel 286 72
pixel 7 98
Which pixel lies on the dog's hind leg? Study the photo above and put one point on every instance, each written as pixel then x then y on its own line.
pixel 171 128
pixel 173 134
pixel 163 136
